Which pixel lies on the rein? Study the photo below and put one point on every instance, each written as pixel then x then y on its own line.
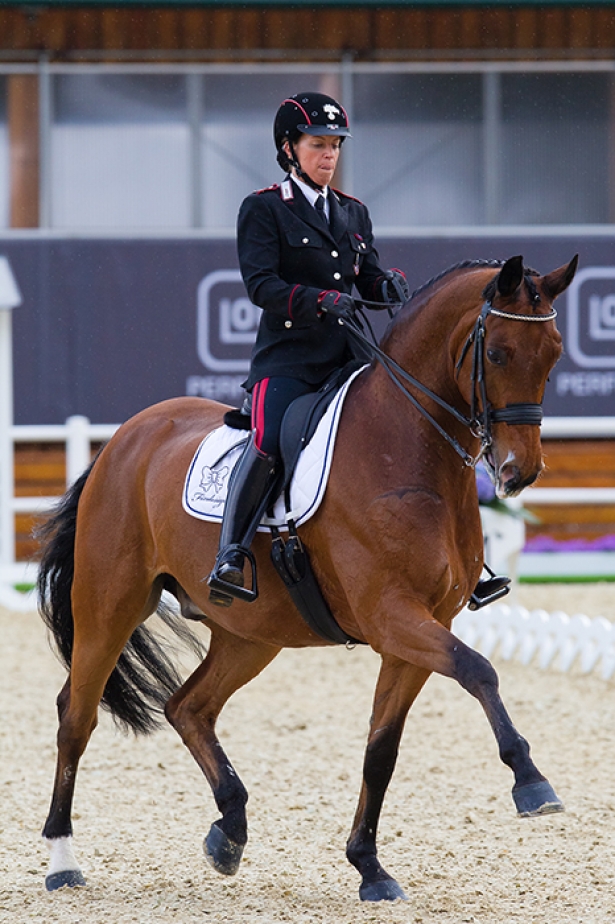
pixel 479 423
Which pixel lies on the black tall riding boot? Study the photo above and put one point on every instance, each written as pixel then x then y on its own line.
pixel 251 486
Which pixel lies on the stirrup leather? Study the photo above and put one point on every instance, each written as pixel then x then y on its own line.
pixel 217 583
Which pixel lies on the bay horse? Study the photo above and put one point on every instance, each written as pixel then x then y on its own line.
pixel 396 546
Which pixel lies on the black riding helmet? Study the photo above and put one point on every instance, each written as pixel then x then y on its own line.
pixel 306 114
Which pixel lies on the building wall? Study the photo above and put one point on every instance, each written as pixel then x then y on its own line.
pixel 366 32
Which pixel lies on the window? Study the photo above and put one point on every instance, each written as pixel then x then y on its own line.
pixel 418 156
pixel 119 151
pixel 436 145
pixel 555 148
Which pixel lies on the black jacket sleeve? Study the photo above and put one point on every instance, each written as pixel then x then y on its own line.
pixel 260 246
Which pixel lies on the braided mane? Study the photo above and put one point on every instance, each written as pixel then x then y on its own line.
pixel 489 291
pixel 464 264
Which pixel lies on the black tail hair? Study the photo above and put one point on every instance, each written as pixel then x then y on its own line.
pixel 144 677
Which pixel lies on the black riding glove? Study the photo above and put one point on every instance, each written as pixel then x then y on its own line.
pixel 339 304
pixel 394 287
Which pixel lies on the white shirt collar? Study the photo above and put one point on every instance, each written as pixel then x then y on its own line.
pixel 310 194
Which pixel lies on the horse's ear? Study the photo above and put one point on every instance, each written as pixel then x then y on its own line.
pixel 510 276
pixel 555 283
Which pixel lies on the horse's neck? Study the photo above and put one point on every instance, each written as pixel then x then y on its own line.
pixel 393 431
pixel 423 341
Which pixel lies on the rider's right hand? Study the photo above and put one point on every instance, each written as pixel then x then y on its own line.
pixel 339 304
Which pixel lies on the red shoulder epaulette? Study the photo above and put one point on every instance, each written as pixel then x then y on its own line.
pixel 257 192
pixel 338 192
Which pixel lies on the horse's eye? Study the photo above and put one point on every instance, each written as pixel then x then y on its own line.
pixel 497 357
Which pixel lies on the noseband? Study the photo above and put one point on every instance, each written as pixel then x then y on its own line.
pixel 479 422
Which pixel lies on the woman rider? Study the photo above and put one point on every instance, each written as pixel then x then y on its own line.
pixel 302 247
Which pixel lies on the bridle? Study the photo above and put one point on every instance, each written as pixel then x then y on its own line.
pixel 479 422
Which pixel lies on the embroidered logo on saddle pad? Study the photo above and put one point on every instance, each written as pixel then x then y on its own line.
pixel 207 480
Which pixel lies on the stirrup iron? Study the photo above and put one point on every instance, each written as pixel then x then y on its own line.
pixel 224 589
pixel 487 592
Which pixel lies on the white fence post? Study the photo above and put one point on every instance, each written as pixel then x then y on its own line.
pixel 77 447
pixel 10 298
pixel 7 485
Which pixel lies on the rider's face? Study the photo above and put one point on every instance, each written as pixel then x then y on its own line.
pixel 318 156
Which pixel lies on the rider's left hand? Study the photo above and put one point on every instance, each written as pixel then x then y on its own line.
pixel 394 287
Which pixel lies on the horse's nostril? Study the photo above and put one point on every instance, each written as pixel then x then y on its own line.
pixel 510 479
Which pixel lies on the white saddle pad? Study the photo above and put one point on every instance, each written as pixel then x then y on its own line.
pixel 206 483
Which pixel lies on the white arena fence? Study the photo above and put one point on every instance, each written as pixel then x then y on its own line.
pixel 549 640
pixel 77 434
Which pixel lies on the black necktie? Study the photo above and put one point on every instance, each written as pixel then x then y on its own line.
pixel 320 209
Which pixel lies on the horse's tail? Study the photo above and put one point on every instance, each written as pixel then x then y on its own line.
pixel 144 676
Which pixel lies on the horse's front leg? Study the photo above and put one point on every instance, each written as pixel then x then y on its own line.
pixel 426 643
pixel 398 685
pixel 532 792
pixel 193 710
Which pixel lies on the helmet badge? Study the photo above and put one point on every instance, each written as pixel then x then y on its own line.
pixel 331 110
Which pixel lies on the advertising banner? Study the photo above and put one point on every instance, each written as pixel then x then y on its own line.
pixel 109 326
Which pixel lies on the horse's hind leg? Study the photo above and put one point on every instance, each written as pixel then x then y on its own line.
pixel 193 710
pixel 398 686
pixel 77 712
pixel 98 642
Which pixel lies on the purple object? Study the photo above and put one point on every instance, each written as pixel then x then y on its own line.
pixel 484 485
pixel 547 544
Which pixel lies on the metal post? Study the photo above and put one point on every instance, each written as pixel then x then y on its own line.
pixel 348 104
pixel 492 130
pixel 195 116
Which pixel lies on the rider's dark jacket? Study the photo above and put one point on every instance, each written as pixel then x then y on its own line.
pixel 288 257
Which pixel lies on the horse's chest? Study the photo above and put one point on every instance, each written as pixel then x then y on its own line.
pixel 415 514
pixel 402 509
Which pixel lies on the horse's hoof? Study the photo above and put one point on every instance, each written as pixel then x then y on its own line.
pixel 66 877
pixel 536 799
pixel 383 890
pixel 221 853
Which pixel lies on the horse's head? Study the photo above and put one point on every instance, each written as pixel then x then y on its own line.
pixel 503 367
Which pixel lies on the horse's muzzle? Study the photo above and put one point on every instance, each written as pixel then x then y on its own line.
pixel 511 482
pixel 508 478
